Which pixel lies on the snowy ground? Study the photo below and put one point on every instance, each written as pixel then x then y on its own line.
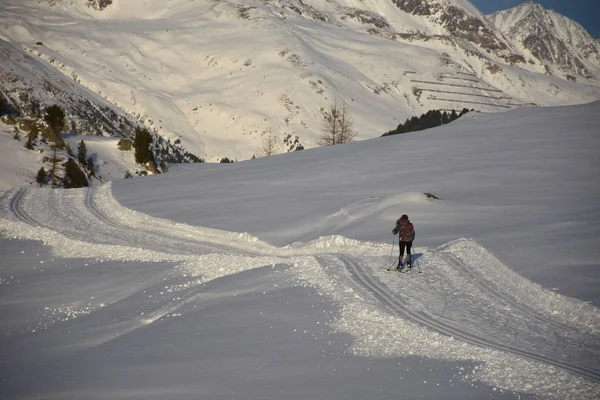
pixel 264 279
pixel 19 166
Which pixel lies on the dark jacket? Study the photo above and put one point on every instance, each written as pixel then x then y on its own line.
pixel 406 230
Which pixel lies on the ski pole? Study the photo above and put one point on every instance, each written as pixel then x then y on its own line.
pixel 390 264
pixel 418 262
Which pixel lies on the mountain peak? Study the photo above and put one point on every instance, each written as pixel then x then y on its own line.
pixel 219 76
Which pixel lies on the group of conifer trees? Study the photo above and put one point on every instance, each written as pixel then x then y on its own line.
pixel 79 168
pixel 428 120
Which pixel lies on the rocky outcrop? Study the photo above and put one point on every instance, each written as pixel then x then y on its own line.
pixel 555 41
pixel 98 4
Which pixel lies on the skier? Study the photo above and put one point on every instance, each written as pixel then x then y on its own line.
pixel 407 234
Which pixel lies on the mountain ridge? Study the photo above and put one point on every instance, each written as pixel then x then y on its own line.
pixel 220 75
pixel 563 45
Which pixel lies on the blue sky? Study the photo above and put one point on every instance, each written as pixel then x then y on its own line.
pixel 586 12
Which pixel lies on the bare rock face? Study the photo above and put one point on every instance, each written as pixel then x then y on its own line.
pixel 553 39
pixel 98 4
pixel 95 4
pixel 465 26
pixel 458 23
pixel 416 7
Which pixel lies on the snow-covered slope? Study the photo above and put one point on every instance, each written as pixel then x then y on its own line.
pixel 29 84
pixel 19 166
pixel 560 45
pixel 219 75
pixel 266 278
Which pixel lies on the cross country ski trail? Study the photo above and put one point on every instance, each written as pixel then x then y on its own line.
pixel 568 338
pixel 465 306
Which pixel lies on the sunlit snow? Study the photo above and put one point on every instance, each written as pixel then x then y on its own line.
pixel 266 278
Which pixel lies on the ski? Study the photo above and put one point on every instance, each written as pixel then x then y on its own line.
pixel 402 271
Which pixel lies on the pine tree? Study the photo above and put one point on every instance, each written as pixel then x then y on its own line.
pixel 82 153
pixel 445 118
pixel 55 118
pixel 74 176
pixel 41 177
pixel 141 144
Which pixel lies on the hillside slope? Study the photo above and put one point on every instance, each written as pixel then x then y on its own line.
pixel 266 278
pixel 220 75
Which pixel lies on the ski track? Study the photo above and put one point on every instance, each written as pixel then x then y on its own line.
pixel 93 216
pixel 86 217
pixel 17 207
pixel 485 286
pixel 396 306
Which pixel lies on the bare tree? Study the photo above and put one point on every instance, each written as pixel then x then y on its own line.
pixel 347 133
pixel 337 125
pixel 269 143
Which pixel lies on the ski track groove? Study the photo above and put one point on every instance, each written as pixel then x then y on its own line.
pixel 486 288
pixel 16 206
pixel 100 215
pixel 395 305
pixel 564 331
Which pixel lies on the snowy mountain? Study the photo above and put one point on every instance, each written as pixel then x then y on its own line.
pixel 552 41
pixel 29 85
pixel 266 279
pixel 219 76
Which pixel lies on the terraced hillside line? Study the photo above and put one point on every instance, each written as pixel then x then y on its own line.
pixel 469 102
pixel 466 94
pixel 397 307
pixel 456 85
pixel 460 78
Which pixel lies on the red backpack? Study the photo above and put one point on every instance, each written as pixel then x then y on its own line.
pixel 406 230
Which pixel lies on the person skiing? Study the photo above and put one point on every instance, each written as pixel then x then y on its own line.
pixel 406 232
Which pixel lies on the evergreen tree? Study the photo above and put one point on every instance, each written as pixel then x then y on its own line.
pixel 41 177
pixel 141 144
pixel 445 118
pixel 428 120
pixel 55 118
pixel 82 153
pixel 74 176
